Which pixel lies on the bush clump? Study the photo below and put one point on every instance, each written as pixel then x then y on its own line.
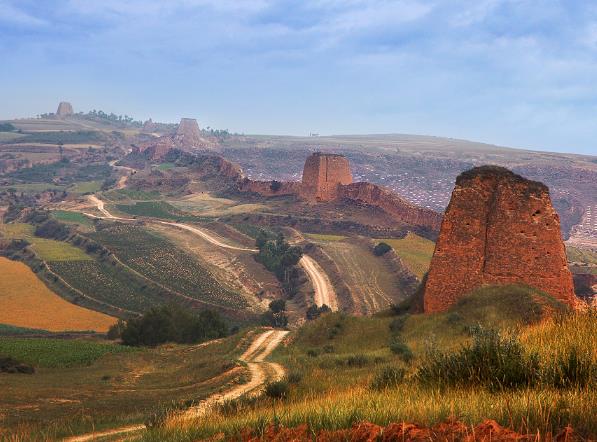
pixel 492 361
pixel 381 249
pixel 171 323
pixel 10 365
pixel 388 377
pixel 277 389
pixel 402 350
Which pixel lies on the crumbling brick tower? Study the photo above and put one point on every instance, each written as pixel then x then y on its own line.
pixel 64 109
pixel 188 132
pixel 323 174
pixel 499 228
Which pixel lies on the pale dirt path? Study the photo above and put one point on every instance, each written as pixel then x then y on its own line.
pixel 254 357
pixel 324 291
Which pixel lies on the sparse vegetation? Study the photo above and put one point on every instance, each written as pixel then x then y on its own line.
pixel 381 249
pixel 415 251
pixel 281 259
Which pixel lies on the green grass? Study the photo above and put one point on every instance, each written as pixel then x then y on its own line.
pixel 57 353
pixel 415 250
pixel 46 249
pixel 581 255
pixel 71 217
pixel 333 393
pixel 86 187
pixel 166 166
pixel 33 187
pixel 320 237
pixel 11 330
pixel 131 194
pixel 116 389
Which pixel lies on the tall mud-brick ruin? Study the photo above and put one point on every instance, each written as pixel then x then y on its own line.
pixel 499 228
pixel 64 109
pixel 323 175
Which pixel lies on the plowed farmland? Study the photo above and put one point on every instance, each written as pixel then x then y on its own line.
pixel 26 302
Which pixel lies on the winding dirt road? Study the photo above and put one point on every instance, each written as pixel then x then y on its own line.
pixel 324 291
pixel 260 370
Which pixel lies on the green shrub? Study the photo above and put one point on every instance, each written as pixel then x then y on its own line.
pixel 571 370
pixel 381 249
pixel 294 377
pixel 357 361
pixel 402 350
pixel 277 389
pixel 172 324
pixel 492 361
pixel 388 377
pixel 397 324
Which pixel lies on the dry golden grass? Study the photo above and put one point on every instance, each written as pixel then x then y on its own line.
pixel 26 302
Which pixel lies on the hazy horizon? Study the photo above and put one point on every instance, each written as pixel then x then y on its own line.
pixel 509 73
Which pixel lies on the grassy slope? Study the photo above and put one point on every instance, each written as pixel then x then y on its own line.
pixel 26 302
pixel 415 250
pixel 104 385
pixel 47 249
pixel 335 392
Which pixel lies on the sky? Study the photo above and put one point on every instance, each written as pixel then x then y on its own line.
pixel 518 73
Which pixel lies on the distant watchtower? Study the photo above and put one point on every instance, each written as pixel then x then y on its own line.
pixel 64 109
pixel 322 175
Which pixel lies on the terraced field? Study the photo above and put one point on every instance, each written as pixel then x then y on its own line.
pixel 46 249
pixel 26 302
pixel 372 284
pixel 415 251
pixel 162 262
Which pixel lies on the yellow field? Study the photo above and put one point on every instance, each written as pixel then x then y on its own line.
pixel 320 237
pixel 415 251
pixel 26 302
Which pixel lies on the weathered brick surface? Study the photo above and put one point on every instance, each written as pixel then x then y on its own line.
pixel 391 203
pixel 323 174
pixel 188 133
pixel 499 228
pixel 64 109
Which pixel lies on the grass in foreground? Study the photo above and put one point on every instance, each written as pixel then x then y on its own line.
pixel 334 361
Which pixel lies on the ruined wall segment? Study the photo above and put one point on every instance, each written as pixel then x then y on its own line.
pixel 64 109
pixel 391 203
pixel 499 228
pixel 323 174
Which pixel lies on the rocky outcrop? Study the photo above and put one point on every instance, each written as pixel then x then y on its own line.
pixel 391 203
pixel 64 109
pixel 323 175
pixel 499 228
pixel 271 188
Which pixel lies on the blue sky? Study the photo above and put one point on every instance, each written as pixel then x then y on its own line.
pixel 520 73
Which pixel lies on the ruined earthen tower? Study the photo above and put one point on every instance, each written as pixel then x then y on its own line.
pixel 188 132
pixel 322 176
pixel 499 228
pixel 64 109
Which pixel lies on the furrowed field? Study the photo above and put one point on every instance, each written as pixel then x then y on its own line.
pixel 162 262
pixel 26 302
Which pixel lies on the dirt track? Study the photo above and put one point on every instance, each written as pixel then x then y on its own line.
pixel 260 370
pixel 324 291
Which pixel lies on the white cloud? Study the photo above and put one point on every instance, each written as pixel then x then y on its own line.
pixel 13 15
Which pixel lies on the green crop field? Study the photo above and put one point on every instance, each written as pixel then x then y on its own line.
pixel 131 194
pixel 155 209
pixel 11 330
pixel 321 237
pixel 66 216
pixel 110 284
pixel 86 187
pixel 56 353
pixel 46 249
pixel 163 262
pixel 415 250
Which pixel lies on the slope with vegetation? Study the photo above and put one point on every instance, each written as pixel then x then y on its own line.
pixel 500 360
